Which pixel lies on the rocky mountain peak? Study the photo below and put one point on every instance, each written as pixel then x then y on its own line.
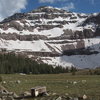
pixel 44 21
pixel 52 32
pixel 36 14
pixel 49 9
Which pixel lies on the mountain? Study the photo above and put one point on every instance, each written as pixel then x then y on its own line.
pixel 54 36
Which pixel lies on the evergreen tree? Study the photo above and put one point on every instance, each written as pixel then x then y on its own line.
pixel 73 70
pixel 0 79
pixel 11 63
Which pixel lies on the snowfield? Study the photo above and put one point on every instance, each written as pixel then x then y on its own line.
pixel 41 45
pixel 79 61
pixel 36 46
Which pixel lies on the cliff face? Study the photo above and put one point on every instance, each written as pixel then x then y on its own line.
pixel 52 32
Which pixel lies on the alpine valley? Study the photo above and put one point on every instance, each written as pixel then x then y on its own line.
pixel 53 36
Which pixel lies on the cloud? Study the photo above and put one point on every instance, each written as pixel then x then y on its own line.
pixel 51 1
pixel 92 1
pixel 69 6
pixel 46 1
pixel 9 7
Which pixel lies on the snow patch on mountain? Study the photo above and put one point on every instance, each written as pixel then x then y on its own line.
pixel 36 46
pixel 79 61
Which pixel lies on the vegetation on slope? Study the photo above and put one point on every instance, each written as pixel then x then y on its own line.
pixel 11 63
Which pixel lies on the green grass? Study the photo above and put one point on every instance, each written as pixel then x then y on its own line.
pixel 56 83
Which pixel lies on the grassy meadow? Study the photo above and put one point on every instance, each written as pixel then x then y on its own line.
pixel 60 84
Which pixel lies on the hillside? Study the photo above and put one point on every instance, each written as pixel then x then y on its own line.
pixel 53 36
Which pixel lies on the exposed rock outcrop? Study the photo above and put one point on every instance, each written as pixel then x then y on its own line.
pixel 15 36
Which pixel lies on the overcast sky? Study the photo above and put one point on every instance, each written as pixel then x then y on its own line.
pixel 9 7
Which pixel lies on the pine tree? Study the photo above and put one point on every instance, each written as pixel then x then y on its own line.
pixel 73 70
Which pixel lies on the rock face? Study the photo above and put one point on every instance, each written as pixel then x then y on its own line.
pixel 86 33
pixel 48 31
pixel 45 19
pixel 15 36
pixel 94 22
pixel 95 18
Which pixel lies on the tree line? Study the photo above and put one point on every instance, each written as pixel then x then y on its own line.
pixel 12 63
